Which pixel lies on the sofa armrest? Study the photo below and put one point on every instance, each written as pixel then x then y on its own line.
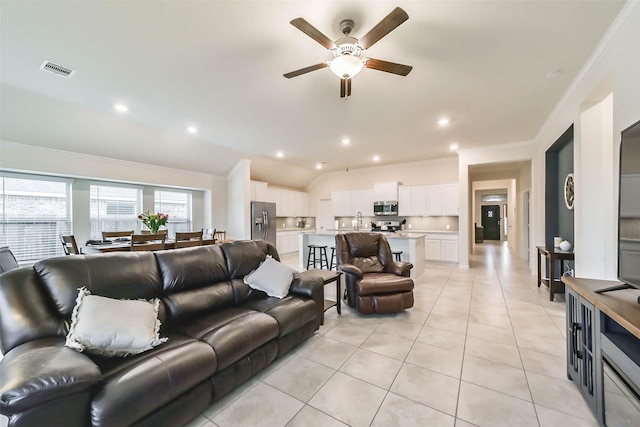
pixel 398 267
pixel 351 269
pixel 43 370
pixel 310 286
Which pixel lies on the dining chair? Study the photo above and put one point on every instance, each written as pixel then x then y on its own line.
pixel 147 242
pixel 114 234
pixel 188 239
pixel 165 232
pixel 7 260
pixel 69 245
pixel 220 236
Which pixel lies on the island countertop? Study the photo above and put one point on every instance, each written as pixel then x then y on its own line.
pixel 387 234
pixel 411 246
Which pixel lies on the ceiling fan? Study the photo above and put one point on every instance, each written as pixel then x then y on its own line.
pixel 346 62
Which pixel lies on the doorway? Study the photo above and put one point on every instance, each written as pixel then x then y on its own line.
pixel 325 220
pixel 491 222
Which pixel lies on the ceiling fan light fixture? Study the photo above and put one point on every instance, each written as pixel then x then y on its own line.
pixel 346 66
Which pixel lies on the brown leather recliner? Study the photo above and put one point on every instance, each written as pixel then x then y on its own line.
pixel 375 283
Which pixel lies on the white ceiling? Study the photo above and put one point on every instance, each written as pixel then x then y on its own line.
pixel 218 65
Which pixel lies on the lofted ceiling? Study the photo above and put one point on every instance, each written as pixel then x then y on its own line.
pixel 496 69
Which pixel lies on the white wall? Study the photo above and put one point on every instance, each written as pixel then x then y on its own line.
pixel 596 185
pixel 238 201
pixel 210 191
pixel 613 72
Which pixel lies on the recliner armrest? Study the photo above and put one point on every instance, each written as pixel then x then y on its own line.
pixel 351 269
pixel 310 286
pixel 43 370
pixel 399 268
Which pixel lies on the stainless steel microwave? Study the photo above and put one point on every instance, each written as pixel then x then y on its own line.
pixel 385 208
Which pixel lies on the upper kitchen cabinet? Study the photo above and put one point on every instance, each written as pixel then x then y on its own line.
pixel 349 203
pixel 341 203
pixel 259 192
pixel 368 198
pixel 412 200
pixel 301 203
pixel 385 192
pixel 450 199
pixel 442 199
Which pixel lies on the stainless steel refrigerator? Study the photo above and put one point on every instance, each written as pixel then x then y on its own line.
pixel 263 221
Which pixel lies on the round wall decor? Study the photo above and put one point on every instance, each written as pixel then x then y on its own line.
pixel 568 191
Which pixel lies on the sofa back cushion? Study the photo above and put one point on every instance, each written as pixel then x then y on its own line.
pixel 121 275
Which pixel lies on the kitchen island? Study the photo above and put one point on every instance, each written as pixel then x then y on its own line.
pixel 411 245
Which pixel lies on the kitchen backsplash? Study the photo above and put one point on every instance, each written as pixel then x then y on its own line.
pixel 431 223
pixel 295 222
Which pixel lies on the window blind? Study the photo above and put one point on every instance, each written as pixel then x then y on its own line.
pixel 34 212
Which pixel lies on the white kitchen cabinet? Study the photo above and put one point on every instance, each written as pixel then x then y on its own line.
pixel 277 199
pixel 356 202
pixel 385 191
pixel 412 200
pixel 449 250
pixel 450 199
pixel 434 200
pixel 441 247
pixel 258 191
pixel 404 201
pixel 432 249
pixel 288 203
pixel 341 203
pixel 301 203
pixel 367 202
pixel 287 242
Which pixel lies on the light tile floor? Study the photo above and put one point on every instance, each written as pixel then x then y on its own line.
pixel 482 346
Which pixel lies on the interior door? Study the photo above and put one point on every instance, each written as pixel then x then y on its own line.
pixel 491 222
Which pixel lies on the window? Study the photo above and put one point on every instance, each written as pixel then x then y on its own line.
pixel 177 204
pixel 34 211
pixel 114 208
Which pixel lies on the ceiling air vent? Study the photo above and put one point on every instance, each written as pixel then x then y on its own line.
pixel 54 68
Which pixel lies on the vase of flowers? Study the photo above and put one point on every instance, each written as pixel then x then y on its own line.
pixel 153 221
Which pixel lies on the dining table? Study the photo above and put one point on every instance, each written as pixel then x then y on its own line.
pixel 123 245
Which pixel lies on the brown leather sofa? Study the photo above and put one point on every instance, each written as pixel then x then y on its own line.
pixel 375 283
pixel 221 332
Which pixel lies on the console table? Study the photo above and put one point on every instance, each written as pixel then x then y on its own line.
pixel 554 254
pixel 603 344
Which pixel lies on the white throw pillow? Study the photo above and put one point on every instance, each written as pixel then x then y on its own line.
pixel 111 327
pixel 271 277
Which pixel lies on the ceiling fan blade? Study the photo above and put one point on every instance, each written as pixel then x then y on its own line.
pixel 389 67
pixel 384 27
pixel 313 32
pixel 306 70
pixel 348 88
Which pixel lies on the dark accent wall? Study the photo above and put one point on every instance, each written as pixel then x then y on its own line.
pixel 559 221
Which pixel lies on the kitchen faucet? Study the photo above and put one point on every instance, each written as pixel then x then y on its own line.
pixel 358 220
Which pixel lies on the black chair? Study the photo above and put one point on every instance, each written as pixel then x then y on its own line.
pixel 7 260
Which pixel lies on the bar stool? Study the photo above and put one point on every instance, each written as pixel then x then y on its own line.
pixel 317 254
pixel 398 255
pixel 332 264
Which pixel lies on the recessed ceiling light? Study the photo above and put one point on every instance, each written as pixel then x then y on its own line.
pixel 443 121
pixel 376 158
pixel 346 141
pixel 279 154
pixel 192 129
pixel 453 147
pixel 318 165
pixel 121 108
